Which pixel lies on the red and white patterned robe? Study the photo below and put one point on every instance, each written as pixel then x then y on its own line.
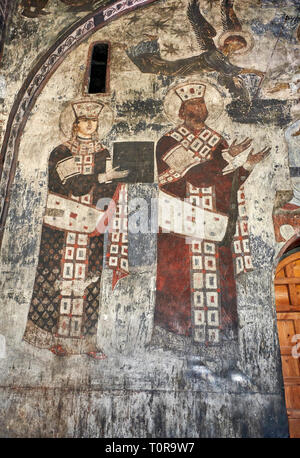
pixel 196 290
pixel 65 302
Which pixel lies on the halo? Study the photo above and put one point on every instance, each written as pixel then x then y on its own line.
pixel 67 118
pixel 230 33
pixel 212 97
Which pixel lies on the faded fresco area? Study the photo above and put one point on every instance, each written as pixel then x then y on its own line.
pixel 37 8
pixel 142 220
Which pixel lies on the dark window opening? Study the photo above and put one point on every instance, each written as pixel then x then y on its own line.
pixel 98 72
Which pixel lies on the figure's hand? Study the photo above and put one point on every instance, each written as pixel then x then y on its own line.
pixel 254 159
pixel 115 174
pixel 278 87
pixel 236 149
pixel 237 82
pixel 112 174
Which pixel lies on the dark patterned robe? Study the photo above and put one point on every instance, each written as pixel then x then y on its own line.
pixel 196 291
pixel 65 300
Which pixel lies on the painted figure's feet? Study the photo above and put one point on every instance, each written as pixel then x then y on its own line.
pixel 58 350
pixel 97 355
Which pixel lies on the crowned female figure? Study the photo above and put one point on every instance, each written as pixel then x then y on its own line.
pixel 63 313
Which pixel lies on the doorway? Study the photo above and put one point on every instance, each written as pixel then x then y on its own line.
pixel 287 299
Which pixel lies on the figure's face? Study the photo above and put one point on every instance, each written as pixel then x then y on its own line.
pixel 86 127
pixel 194 113
pixel 232 46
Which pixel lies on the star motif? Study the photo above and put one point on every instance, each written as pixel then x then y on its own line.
pixel 159 24
pixel 179 33
pixel 171 9
pixel 133 20
pixel 128 34
pixel 170 49
pixel 191 48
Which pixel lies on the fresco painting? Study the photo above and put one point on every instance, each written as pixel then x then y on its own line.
pixel 140 225
pixel 146 55
pixel 195 166
pixel 196 292
pixel 36 8
pixel 64 307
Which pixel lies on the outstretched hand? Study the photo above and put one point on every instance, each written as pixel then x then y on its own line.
pixel 115 174
pixel 278 87
pixel 254 159
pixel 236 149
pixel 112 174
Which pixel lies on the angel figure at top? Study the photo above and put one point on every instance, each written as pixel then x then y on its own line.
pixel 146 55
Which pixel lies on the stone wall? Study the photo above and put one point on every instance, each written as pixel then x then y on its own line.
pixel 192 349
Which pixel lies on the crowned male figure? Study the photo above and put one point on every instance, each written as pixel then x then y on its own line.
pixel 196 289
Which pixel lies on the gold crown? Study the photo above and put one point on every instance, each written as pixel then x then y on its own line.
pixel 191 91
pixel 87 109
